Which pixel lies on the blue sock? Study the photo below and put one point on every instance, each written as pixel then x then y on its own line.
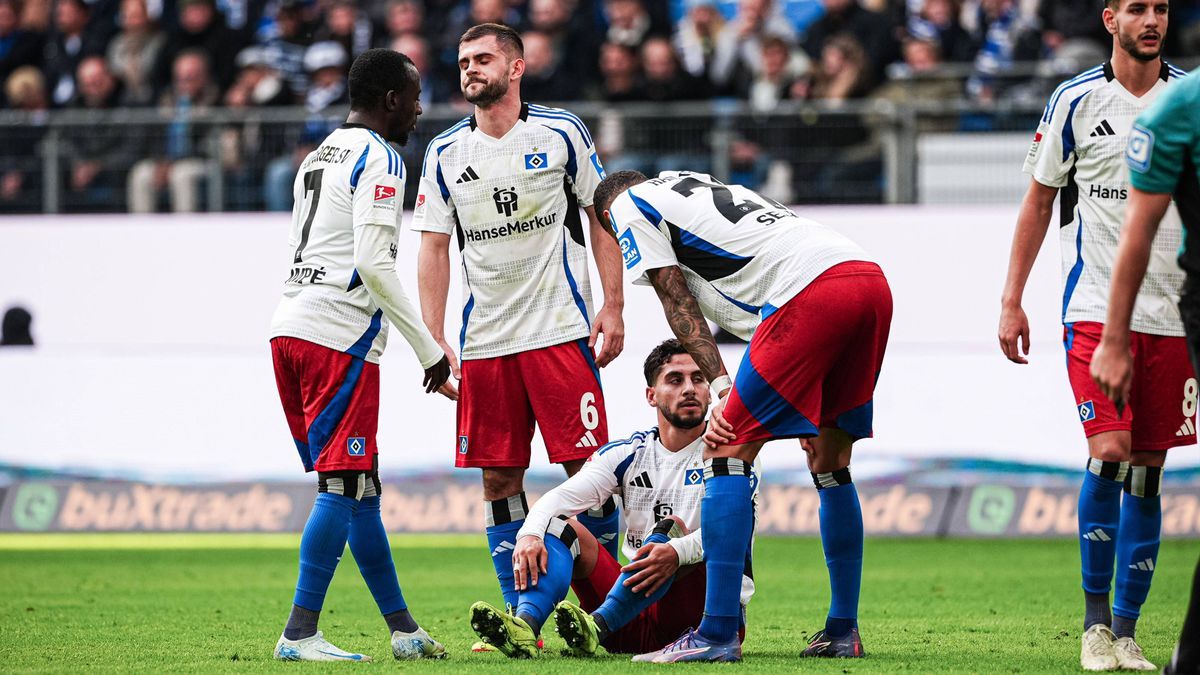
pixel 623 605
pixel 1099 517
pixel 842 540
pixel 726 522
pixel 321 546
pixel 604 524
pixel 369 544
pixel 504 519
pixel 1137 540
pixel 536 602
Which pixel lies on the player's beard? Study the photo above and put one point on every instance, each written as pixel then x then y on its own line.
pixel 489 94
pixel 684 421
pixel 1130 43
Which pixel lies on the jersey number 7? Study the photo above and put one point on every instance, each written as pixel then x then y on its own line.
pixel 312 183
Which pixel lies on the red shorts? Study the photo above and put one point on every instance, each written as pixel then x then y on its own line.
pixel 501 398
pixel 659 624
pixel 813 362
pixel 1162 400
pixel 331 401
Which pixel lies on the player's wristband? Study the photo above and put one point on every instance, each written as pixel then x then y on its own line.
pixel 722 385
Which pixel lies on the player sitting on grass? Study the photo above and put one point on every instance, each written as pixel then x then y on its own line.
pixel 659 475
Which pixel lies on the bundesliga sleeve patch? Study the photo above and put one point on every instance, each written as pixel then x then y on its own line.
pixel 1140 149
pixel 385 195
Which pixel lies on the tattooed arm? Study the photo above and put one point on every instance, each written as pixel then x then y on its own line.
pixel 686 320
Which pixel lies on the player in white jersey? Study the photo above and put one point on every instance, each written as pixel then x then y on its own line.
pixel 1078 153
pixel 326 338
pixel 817 313
pixel 507 184
pixel 659 476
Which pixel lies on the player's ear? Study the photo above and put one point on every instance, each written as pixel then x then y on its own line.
pixel 650 397
pixel 391 100
pixel 517 68
pixel 1110 20
pixel 607 222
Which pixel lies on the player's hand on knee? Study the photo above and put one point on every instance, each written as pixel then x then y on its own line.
pixel 653 565
pixel 719 432
pixel 529 558
pixel 1112 369
pixel 609 323
pixel 1014 334
pixel 437 375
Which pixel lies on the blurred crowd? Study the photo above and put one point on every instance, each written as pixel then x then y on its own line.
pixel 181 57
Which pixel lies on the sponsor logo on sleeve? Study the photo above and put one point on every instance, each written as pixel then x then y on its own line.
pixel 385 196
pixel 535 161
pixel 1037 143
pixel 629 249
pixel 356 446
pixel 599 167
pixel 1140 149
pixel 419 209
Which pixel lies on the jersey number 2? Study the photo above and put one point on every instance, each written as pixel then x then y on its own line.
pixel 312 183
pixel 722 199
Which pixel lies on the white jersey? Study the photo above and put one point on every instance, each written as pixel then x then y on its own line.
pixel 652 482
pixel 743 255
pixel 513 203
pixel 353 178
pixel 1080 149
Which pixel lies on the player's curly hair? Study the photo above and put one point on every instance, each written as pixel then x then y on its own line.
pixel 610 188
pixel 376 72
pixel 658 358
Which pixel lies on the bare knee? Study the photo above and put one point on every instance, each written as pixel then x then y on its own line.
pixel 745 452
pixel 589 550
pixel 1148 458
pixel 1110 446
pixel 572 467
pixel 829 451
pixel 502 482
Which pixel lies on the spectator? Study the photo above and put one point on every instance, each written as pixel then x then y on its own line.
pixel 738 54
pixel 630 23
pixel 696 37
pixel 572 41
pixel 17 328
pixel 102 154
pixel 403 17
pixel 619 70
pixel 545 80
pixel 245 144
pixel 665 79
pixel 871 30
pixel 258 83
pixel 20 175
pixel 1065 21
pixel 286 43
pixel 416 47
pixel 134 51
pixel 326 63
pixel 177 165
pixel 918 79
pixel 200 28
pixel 1005 37
pixel 347 26
pixel 18 47
pixel 780 73
pixel 843 72
pixel 939 20
pixel 68 44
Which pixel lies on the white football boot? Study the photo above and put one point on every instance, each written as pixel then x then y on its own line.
pixel 1130 656
pixel 1096 652
pixel 416 645
pixel 315 648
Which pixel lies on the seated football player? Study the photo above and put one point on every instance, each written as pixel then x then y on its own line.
pixel 659 475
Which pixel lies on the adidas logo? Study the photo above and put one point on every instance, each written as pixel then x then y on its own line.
pixel 588 441
pixel 1187 428
pixel 1097 535
pixel 1146 565
pixel 1103 130
pixel 605 538
pixel 505 546
pixel 642 481
pixel 470 175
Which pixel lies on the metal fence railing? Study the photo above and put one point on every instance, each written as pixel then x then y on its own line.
pixel 245 160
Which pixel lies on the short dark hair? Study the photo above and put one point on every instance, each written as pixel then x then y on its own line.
pixel 507 37
pixel 612 186
pixel 376 72
pixel 658 358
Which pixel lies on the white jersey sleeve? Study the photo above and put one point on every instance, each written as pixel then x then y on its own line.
pixel 378 198
pixel 587 171
pixel 587 489
pixel 644 246
pixel 1051 156
pixel 434 210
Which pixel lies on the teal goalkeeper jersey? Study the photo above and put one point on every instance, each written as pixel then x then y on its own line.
pixel 1163 156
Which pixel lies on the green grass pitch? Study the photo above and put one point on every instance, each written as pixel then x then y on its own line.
pixel 198 603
